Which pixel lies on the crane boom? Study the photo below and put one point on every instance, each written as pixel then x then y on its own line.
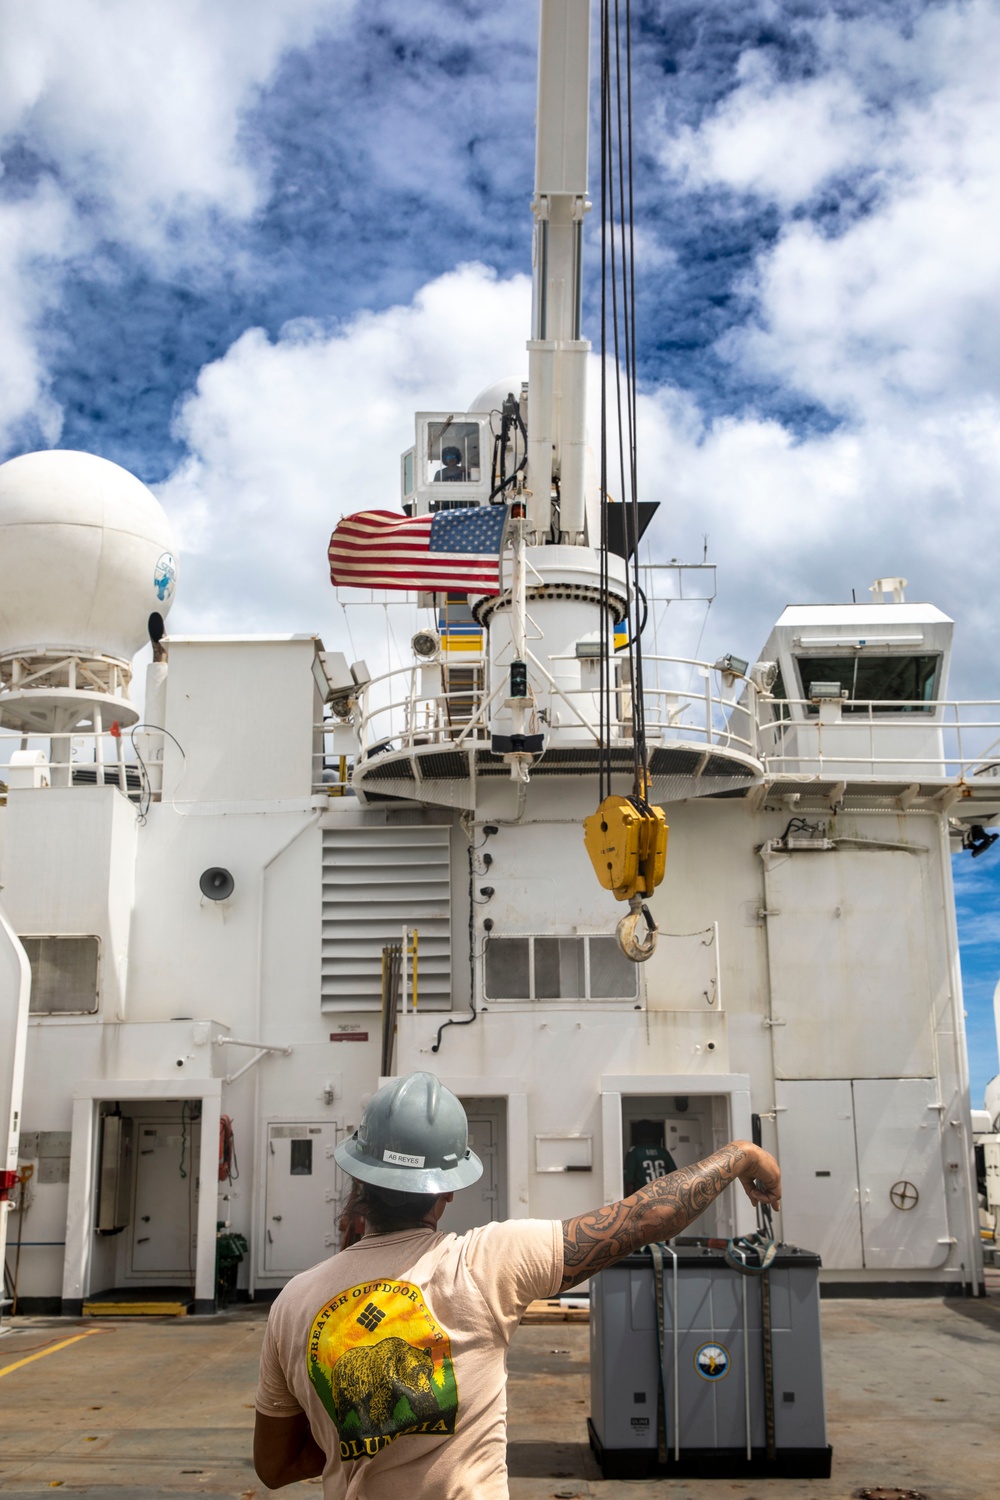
pixel 557 355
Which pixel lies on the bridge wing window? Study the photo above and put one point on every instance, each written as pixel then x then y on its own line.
pixel 896 684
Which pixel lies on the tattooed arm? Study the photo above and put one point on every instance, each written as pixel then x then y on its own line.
pixel 661 1210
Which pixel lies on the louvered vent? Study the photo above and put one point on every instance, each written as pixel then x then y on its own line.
pixel 375 882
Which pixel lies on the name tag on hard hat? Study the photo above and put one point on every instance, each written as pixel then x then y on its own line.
pixel 398 1159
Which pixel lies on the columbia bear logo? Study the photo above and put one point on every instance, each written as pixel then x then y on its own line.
pixel 369 1383
pixel 382 1366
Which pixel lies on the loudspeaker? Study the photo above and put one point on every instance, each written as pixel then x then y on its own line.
pixel 217 884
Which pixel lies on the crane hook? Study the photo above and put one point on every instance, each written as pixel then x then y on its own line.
pixel 637 951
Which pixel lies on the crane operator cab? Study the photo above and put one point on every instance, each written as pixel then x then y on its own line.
pixel 474 453
pixel 449 451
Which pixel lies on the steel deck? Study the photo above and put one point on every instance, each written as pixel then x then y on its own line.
pixel 157 1407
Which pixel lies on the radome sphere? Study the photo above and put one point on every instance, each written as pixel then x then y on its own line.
pixel 86 555
pixel 494 396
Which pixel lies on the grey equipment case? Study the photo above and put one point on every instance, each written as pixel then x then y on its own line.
pixel 678 1381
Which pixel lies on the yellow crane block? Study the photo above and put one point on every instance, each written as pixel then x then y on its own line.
pixel 627 847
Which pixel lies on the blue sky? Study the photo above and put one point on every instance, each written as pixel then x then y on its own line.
pixel 977 897
pixel 241 242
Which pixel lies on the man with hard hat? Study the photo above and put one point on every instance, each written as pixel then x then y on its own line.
pixel 384 1368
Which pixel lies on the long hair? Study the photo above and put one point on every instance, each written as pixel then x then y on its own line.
pixel 381 1210
pixel 352 1221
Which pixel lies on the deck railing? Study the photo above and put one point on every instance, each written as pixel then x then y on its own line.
pixel 685 700
pixel 690 701
pixel 78 757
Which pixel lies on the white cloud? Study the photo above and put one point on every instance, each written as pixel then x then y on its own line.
pixel 888 318
pixel 898 309
pixel 34 234
pixel 890 322
pixel 287 437
pixel 142 104
pixel 809 520
pixel 133 113
pixel 781 141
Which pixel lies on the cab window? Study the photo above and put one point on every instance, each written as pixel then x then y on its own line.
pixel 452 453
pixel 897 684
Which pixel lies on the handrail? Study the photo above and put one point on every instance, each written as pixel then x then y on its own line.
pixel 871 738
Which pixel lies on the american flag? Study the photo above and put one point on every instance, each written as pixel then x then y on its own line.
pixel 453 549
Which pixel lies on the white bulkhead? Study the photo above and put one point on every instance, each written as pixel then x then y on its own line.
pixel 806 972
pixel 295 879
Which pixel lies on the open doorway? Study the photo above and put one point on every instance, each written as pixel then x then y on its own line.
pixel 142 1204
pixel 685 1128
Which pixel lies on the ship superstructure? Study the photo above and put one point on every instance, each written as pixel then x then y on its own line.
pixel 297 876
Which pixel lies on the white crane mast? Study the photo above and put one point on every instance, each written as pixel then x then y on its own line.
pixel 557 368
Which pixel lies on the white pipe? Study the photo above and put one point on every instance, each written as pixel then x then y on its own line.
pixel 150 742
pixel 572 439
pixel 966 1155
pixel 232 1077
pixel 718 968
pixel 541 435
pixel 98 747
pixel 232 1041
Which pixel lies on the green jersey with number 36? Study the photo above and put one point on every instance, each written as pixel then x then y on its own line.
pixel 644 1164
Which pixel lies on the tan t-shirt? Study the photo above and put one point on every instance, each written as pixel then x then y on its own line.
pixel 396 1350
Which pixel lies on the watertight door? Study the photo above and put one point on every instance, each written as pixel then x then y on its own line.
pixel 300 1205
pixel 903 1215
pixel 819 1207
pixel 851 993
pixel 863 1180
pixel 164 1225
pixel 481 1203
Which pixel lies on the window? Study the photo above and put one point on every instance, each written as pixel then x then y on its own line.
pixel 900 684
pixel 63 974
pixel 558 968
pixel 408 473
pixel 301 1158
pixel 452 452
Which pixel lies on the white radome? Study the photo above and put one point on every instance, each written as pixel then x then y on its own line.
pixel 494 396
pixel 86 555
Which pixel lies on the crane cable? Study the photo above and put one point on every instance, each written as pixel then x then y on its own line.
pixel 618 298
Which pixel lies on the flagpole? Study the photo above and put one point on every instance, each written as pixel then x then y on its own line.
pixel 519 605
pixel 519 702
